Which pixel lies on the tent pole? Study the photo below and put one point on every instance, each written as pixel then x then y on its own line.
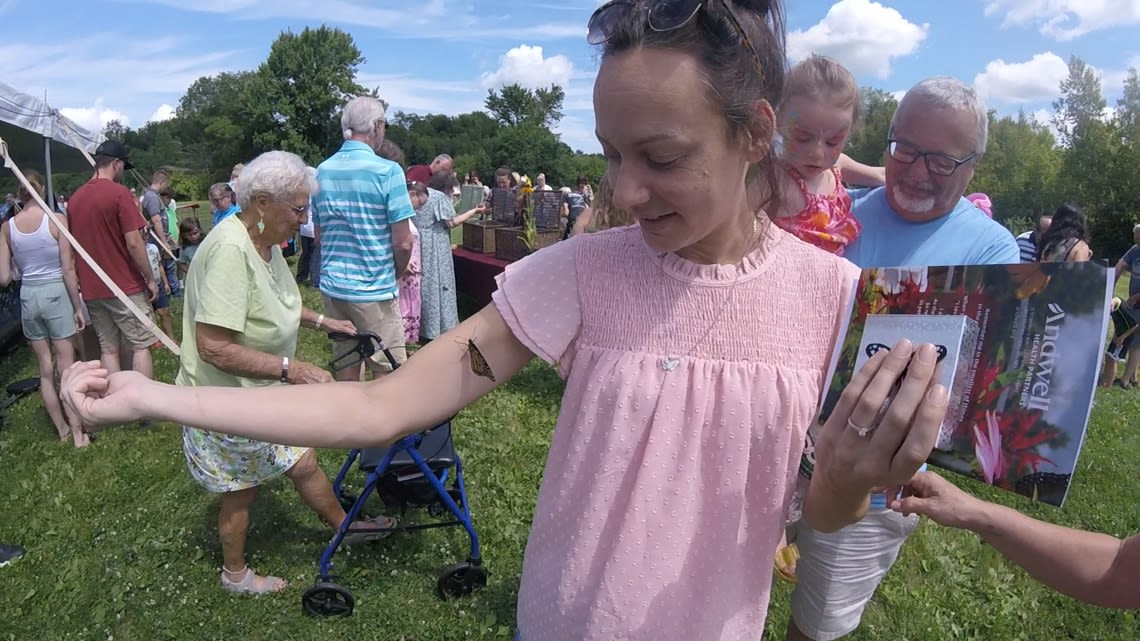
pixel 47 167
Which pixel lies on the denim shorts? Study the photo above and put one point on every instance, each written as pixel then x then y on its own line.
pixel 46 311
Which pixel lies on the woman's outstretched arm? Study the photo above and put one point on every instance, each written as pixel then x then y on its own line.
pixel 432 386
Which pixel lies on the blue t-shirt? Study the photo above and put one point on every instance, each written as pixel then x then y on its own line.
pixel 965 236
pixel 361 196
pixel 1132 259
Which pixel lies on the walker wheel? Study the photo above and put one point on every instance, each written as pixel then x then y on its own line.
pixel 460 580
pixel 327 600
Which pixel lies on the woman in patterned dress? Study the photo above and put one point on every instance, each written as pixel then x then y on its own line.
pixel 243 311
pixel 435 218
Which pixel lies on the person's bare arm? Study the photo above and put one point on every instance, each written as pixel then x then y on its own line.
pixel 464 217
pixel 856 173
pixel 582 223
pixel 217 347
pixel 1121 269
pixel 5 257
pixel 432 386
pixel 1090 567
pixel 402 243
pixel 67 263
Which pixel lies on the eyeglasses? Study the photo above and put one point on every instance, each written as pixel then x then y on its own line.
pixel 664 15
pixel 936 163
pixel 300 210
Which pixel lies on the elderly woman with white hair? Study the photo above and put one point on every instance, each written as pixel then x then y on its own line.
pixel 242 315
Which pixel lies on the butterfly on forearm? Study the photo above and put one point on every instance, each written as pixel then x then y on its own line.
pixel 478 362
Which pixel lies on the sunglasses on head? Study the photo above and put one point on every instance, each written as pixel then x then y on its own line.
pixel 663 15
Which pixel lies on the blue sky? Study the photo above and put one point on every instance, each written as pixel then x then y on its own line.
pixel 133 59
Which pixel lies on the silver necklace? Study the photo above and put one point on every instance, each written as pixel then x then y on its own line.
pixel 669 362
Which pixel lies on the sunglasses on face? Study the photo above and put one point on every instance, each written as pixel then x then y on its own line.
pixel 663 15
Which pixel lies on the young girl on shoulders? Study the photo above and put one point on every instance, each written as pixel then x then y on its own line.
pixel 819 110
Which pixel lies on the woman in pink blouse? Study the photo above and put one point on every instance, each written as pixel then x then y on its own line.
pixel 694 347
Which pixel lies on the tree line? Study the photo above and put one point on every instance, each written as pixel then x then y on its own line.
pixel 292 101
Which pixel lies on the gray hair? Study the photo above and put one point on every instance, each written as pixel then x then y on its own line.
pixel 442 158
pixel 276 174
pixel 1136 228
pixel 361 115
pixel 945 92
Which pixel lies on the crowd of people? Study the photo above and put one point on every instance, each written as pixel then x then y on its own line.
pixel 693 346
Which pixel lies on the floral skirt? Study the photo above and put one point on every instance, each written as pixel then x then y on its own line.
pixel 226 463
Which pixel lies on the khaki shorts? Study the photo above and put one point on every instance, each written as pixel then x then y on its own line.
pixel 115 324
pixel 837 573
pixel 382 318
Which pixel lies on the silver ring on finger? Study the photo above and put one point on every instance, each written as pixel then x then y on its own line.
pixel 859 429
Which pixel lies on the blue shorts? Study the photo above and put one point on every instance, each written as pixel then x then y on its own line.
pixel 161 301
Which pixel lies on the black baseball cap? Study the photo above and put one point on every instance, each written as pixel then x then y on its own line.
pixel 114 149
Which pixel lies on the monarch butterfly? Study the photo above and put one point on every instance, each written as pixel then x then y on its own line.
pixel 478 362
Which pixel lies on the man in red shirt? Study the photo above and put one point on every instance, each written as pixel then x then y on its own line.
pixel 105 219
pixel 423 173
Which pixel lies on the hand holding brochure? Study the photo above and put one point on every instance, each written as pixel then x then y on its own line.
pixel 1020 347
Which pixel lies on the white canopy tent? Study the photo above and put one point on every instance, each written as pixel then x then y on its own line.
pixel 41 138
pixel 38 137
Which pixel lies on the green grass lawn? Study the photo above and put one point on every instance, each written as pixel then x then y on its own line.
pixel 122 544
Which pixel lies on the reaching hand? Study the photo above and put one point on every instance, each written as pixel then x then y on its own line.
pixel 334 326
pixel 933 496
pixel 302 373
pixel 98 399
pixel 873 439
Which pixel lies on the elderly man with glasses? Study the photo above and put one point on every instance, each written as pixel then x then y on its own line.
pixel 920 218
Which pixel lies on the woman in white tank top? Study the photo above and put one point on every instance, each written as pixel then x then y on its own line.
pixel 50 309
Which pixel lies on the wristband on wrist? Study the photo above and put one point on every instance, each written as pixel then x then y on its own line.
pixel 320 320
pixel 284 369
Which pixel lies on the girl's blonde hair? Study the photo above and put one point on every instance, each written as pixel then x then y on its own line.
pixel 37 183
pixel 606 216
pixel 823 77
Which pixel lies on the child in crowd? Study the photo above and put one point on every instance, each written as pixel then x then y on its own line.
pixel 190 236
pixel 161 303
pixel 819 110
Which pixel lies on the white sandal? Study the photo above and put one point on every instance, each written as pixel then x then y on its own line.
pixel 246 585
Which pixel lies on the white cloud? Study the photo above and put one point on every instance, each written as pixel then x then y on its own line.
pixel 420 95
pixel 1066 19
pixel 863 35
pixel 452 20
pixel 1038 78
pixel 164 112
pixel 93 85
pixel 95 117
pixel 526 66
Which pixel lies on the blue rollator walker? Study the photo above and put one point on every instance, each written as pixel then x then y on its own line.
pixel 412 473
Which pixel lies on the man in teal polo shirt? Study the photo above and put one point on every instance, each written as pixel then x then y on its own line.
pixel 363 217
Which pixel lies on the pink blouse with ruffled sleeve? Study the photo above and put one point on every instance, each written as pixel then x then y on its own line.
pixel 665 492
